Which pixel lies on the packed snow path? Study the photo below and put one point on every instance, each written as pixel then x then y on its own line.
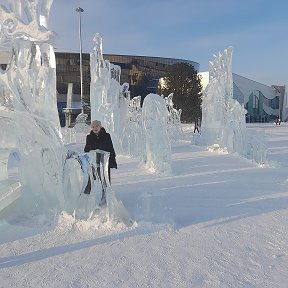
pixel 218 221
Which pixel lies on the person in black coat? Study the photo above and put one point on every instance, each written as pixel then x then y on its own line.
pixel 196 126
pixel 100 139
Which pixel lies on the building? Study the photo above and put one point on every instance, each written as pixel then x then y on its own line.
pixel 143 69
pixel 263 103
pixel 68 71
pixel 142 73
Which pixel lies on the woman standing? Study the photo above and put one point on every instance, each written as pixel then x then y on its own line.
pixel 100 139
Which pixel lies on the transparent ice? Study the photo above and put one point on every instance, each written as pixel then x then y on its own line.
pixel 28 108
pixel 157 149
pixel 108 99
pixel 48 178
pixel 124 118
pixel 285 106
pixel 223 118
pixel 174 120
pixel 132 139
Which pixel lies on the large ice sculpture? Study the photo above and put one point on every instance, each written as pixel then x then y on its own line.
pixel 223 118
pixel 109 100
pixel 157 144
pixel 99 79
pixel 30 128
pixel 110 103
pixel 28 106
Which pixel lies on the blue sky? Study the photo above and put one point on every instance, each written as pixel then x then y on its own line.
pixel 185 29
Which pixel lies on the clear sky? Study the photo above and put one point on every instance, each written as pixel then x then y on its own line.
pixel 185 29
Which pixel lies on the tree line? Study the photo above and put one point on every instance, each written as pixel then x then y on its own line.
pixel 184 82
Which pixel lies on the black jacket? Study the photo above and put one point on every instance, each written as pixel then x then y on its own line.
pixel 101 141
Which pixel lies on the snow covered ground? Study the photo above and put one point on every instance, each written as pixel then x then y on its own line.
pixel 218 221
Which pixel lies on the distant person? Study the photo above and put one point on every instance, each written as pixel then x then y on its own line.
pixel 278 121
pixel 100 139
pixel 196 126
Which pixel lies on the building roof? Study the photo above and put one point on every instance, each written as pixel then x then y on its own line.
pixel 247 86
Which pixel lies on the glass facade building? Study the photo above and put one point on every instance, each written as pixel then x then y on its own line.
pixel 133 70
pixel 68 71
pixel 142 73
pixel 263 103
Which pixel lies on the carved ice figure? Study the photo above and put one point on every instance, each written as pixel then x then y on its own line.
pixel 30 128
pixel 174 119
pixel 33 27
pixel 110 103
pixel 79 131
pixel 132 138
pixel 86 173
pixel 28 107
pixel 106 94
pixel 99 79
pixel 157 150
pixel 223 118
pixel 216 97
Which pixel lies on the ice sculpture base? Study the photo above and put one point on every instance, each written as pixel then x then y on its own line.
pixel 9 192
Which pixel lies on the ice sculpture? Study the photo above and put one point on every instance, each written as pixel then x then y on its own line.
pixel 284 114
pixel 132 138
pixel 157 145
pixel 30 130
pixel 223 118
pixel 174 119
pixel 109 102
pixel 28 106
pixel 86 173
pixel 99 79
pixel 87 188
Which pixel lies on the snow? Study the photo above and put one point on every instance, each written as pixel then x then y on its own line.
pixel 219 220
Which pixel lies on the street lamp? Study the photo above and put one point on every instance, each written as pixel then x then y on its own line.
pixel 80 10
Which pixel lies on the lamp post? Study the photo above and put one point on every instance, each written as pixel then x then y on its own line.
pixel 80 10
